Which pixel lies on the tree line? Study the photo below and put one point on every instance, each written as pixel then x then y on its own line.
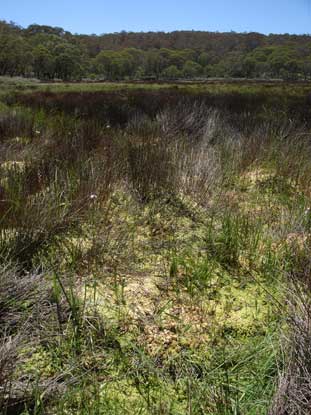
pixel 49 53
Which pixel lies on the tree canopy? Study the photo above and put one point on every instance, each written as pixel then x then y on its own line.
pixel 52 53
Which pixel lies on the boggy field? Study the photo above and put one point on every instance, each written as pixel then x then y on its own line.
pixel 155 252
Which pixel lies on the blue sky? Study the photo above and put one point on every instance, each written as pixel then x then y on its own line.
pixel 104 16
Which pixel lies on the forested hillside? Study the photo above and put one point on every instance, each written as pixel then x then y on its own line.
pixel 52 53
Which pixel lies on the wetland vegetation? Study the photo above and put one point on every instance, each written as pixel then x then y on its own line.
pixel 155 248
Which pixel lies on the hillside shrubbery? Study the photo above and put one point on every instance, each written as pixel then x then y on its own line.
pixel 48 52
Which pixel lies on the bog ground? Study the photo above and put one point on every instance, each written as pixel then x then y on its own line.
pixel 155 248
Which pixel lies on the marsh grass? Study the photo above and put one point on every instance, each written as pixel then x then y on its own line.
pixel 146 239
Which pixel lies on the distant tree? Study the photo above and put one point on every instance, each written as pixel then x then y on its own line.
pixel 15 55
pixel 283 62
pixel 204 59
pixel 249 66
pixel 172 72
pixel 44 63
pixel 68 62
pixel 292 68
pixel 192 69
pixel 115 65
pixel 155 63
pixel 139 73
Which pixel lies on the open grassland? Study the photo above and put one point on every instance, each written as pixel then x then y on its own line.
pixel 155 251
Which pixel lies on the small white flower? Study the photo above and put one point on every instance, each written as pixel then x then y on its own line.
pixel 108 126
pixel 37 132
pixel 93 196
